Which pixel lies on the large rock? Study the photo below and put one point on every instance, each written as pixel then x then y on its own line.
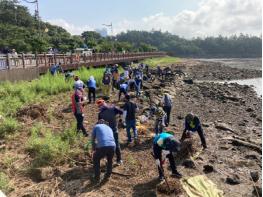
pixel 233 180
pixel 208 169
pixel 254 175
pixel 188 81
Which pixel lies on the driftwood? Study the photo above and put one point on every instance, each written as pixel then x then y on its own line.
pixel 121 174
pixel 237 142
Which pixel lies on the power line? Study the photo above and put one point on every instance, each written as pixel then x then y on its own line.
pixel 29 1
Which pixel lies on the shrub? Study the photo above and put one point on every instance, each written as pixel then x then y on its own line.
pixel 47 149
pixel 70 135
pixel 8 125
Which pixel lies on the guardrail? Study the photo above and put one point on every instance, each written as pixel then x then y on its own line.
pixel 44 61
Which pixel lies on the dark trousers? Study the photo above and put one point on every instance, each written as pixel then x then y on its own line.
pixel 106 151
pixel 167 110
pixel 200 133
pixel 114 84
pixel 157 151
pixel 118 148
pixel 131 124
pixel 158 127
pixel 80 125
pixel 93 92
pixel 122 91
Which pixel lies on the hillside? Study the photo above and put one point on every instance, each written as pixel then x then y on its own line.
pixel 23 32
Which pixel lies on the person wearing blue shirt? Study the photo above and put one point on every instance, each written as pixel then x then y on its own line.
pixel 193 124
pixel 105 147
pixel 91 84
pixel 123 89
pixel 78 84
pixel 55 68
pixel 163 146
pixel 138 83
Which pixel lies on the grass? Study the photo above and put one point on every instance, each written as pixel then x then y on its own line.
pixel 4 182
pixel 8 125
pixel 162 61
pixel 13 96
pixel 48 148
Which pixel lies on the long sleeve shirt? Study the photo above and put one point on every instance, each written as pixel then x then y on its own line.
pixel 192 125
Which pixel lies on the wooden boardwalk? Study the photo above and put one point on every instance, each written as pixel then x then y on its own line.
pixel 69 62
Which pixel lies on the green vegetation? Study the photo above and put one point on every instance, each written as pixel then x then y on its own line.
pixel 4 182
pixel 19 30
pixel 15 95
pixel 8 125
pixel 153 62
pixel 233 46
pixel 50 148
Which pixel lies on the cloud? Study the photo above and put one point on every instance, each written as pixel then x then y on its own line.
pixel 71 28
pixel 211 18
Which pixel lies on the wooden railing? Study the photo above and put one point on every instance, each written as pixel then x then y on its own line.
pixel 11 61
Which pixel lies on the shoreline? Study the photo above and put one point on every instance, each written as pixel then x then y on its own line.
pixel 226 111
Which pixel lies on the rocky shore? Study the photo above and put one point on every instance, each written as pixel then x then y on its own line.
pixel 230 115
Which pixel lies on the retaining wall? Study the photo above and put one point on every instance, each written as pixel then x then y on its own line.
pixel 18 74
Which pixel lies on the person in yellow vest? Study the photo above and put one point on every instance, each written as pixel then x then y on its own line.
pixel 193 124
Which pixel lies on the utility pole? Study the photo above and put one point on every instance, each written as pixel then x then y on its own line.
pixel 36 12
pixel 110 26
pixel 37 16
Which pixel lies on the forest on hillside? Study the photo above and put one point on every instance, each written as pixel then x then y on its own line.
pixel 25 33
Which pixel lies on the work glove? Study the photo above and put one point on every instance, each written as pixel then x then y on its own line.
pixel 158 163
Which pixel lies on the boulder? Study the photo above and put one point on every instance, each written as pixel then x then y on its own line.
pixel 249 109
pixel 208 169
pixel 233 180
pixel 252 156
pixel 188 81
pixel 254 175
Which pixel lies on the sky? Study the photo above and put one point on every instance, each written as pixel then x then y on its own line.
pixel 186 18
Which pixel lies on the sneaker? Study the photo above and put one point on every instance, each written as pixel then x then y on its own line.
pixel 119 163
pixel 177 175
